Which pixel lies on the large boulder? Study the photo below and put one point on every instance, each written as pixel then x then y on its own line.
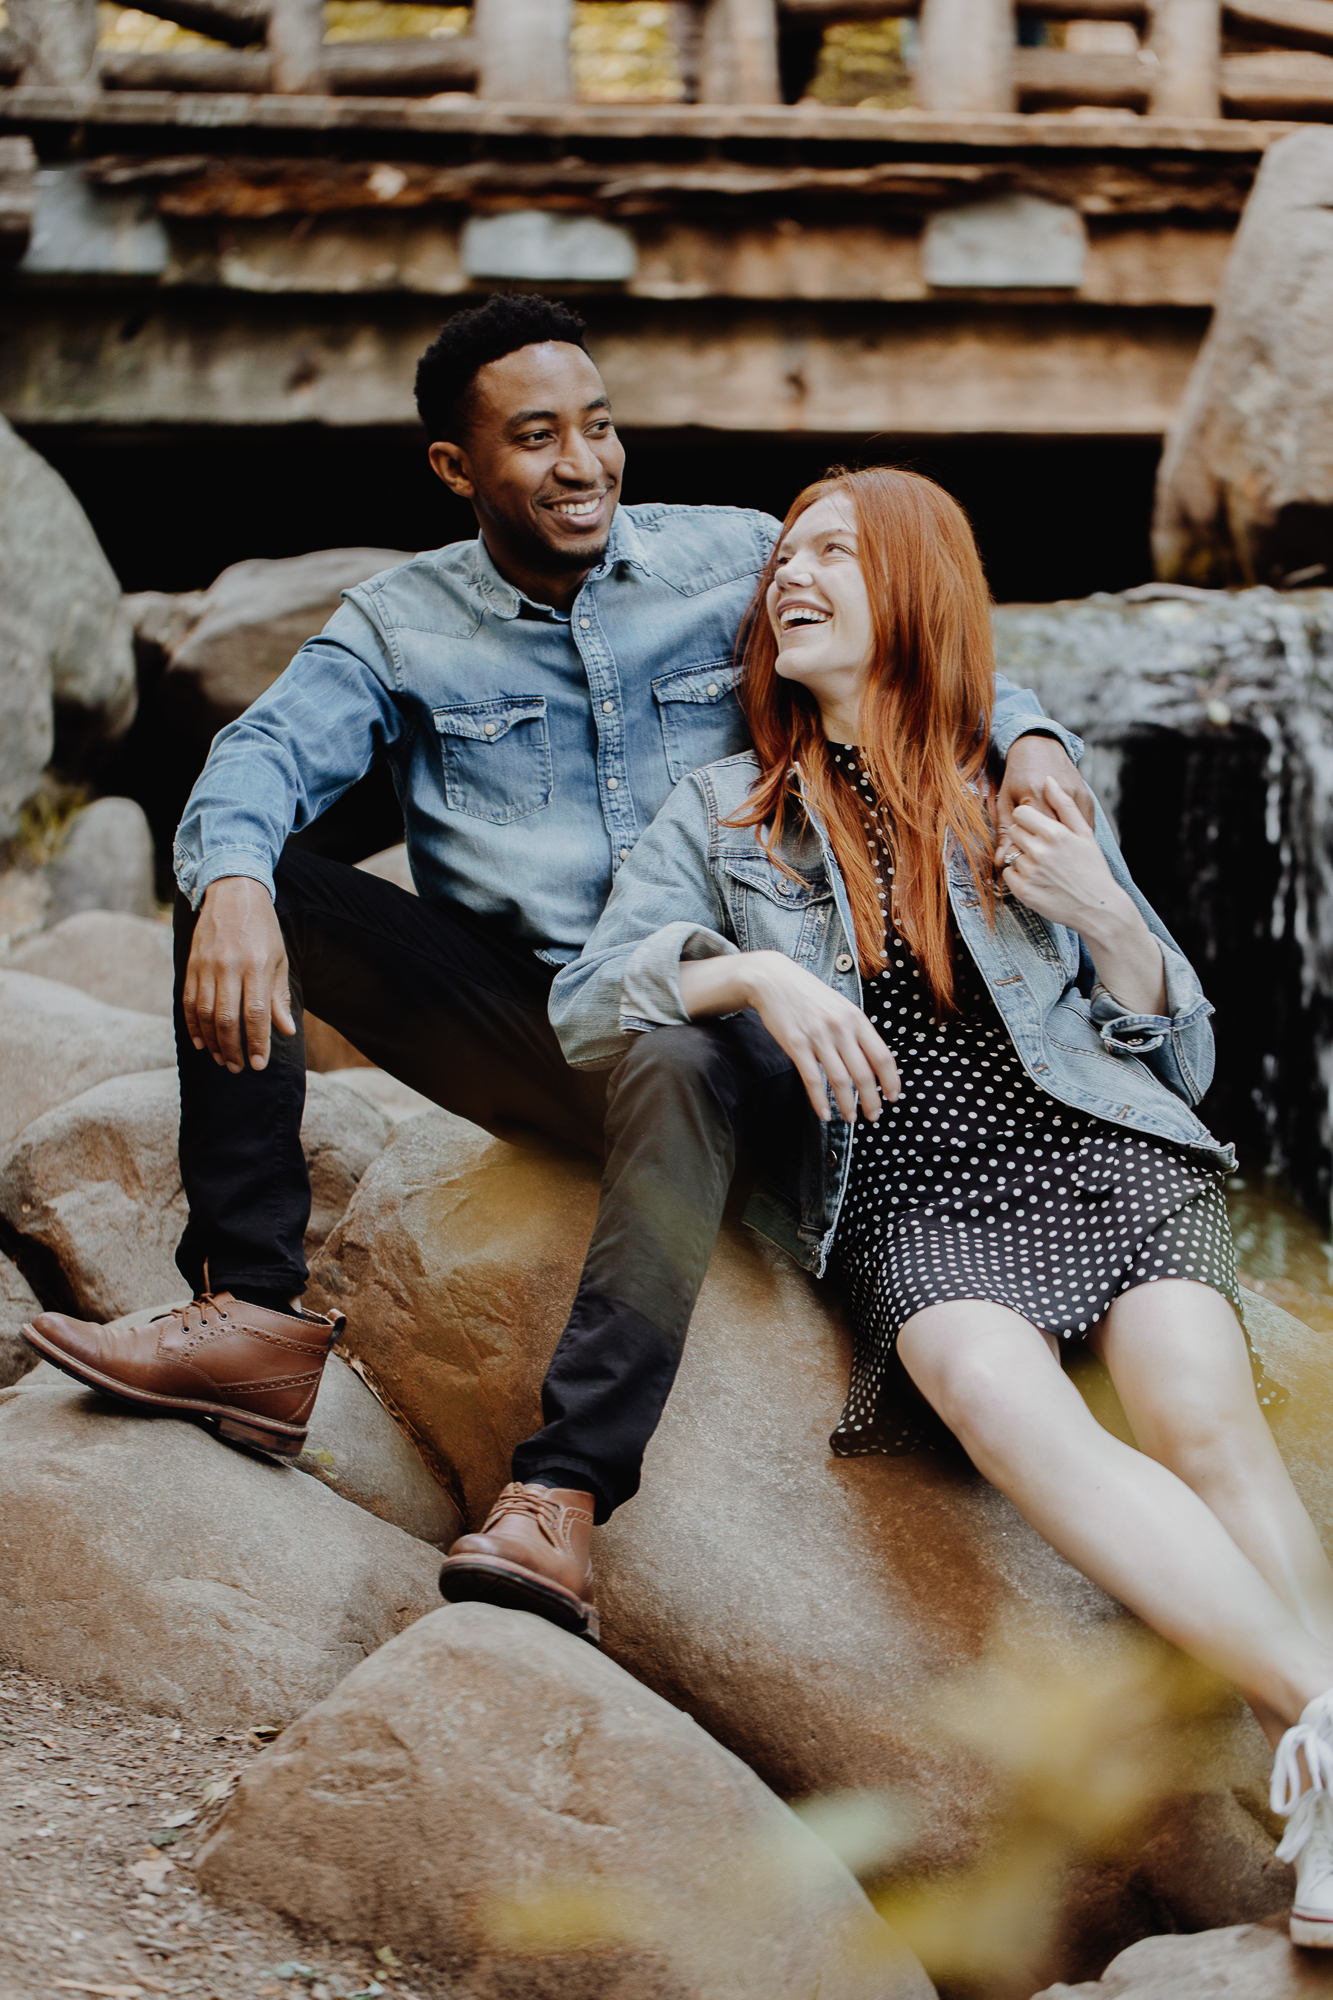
pixel 145 1561
pixel 122 959
pixel 492 1795
pixel 358 1448
pixel 247 626
pixel 1242 1962
pixel 65 641
pixel 56 1042
pixel 18 1302
pixel 92 1189
pixel 105 863
pixel 1245 490
pixel 812 1613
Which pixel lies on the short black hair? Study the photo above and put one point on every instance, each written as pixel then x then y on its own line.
pixel 465 343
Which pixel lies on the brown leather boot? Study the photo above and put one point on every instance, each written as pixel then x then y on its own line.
pixel 253 1372
pixel 532 1555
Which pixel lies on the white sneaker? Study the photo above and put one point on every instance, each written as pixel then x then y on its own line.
pixel 1308 1840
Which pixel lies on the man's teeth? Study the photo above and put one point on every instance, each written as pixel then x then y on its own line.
pixel 574 510
pixel 803 614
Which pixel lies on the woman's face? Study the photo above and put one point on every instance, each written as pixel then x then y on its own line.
pixel 819 609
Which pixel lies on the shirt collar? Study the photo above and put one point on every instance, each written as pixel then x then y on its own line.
pixel 625 544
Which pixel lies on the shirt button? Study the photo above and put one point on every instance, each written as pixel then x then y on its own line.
pixel 490 729
pixel 624 854
pixel 843 962
pixel 607 707
pixel 584 623
pixel 784 888
pixel 611 784
pixel 712 688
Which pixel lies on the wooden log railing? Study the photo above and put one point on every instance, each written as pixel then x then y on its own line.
pixel 968 58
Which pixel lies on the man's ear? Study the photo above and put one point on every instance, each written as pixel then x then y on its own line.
pixel 449 462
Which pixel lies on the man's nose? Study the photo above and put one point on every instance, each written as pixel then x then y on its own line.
pixel 578 463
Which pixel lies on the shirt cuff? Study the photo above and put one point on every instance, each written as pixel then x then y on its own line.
pixel 650 984
pixel 194 877
pixel 1003 740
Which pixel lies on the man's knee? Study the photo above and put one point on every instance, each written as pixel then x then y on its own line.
pixel 685 1064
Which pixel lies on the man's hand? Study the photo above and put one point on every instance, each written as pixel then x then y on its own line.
pixel 1029 764
pixel 825 1035
pixel 237 976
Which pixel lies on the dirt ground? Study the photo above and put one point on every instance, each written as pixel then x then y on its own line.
pixel 96 1895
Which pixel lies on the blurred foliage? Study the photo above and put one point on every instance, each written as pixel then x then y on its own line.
pixel 862 62
pixel 625 49
pixel 44 821
pixel 368 21
pixel 144 34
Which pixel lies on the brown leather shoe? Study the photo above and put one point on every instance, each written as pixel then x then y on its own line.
pixel 532 1555
pixel 253 1372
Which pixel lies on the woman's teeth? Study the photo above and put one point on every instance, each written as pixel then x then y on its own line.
pixel 803 614
pixel 575 510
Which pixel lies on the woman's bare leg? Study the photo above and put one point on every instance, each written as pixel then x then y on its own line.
pixel 1118 1515
pixel 1179 1361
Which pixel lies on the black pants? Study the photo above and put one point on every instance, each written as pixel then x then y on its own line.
pixel 448 1003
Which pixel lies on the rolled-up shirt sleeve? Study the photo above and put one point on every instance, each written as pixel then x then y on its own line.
pixel 650 984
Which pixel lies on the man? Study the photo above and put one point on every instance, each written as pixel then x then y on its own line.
pixel 537 693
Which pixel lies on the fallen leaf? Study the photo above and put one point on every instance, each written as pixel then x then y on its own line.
pixel 153 1871
pixel 184 1818
pixel 387 1956
pixel 213 1793
pixel 165 1836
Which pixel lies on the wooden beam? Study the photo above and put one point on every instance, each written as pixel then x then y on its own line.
pixel 790 127
pixel 236 22
pixel 56 39
pixel 807 12
pixel 18 197
pixel 1185 40
pixel 738 58
pixel 1044 77
pixel 523 49
pixel 1278 85
pixel 296 44
pixel 967 52
pixel 352 69
pixel 1294 24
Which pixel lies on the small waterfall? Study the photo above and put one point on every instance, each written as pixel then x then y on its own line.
pixel 1208 717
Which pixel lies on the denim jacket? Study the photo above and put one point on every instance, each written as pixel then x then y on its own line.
pixel 529 747
pixel 698 888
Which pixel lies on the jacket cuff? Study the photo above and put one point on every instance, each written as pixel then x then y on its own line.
pixel 650 983
pixel 1003 740
pixel 1128 1034
pixel 194 877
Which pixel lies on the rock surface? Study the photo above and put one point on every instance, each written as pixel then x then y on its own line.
pixel 56 1042
pixel 92 1188
pixel 64 638
pixel 396 1100
pixel 121 959
pixel 356 1447
pixel 807 1610
pixel 144 1560
pixel 554 1805
pixel 1245 490
pixel 252 619
pixel 18 1302
pixel 105 863
pixel 1242 1962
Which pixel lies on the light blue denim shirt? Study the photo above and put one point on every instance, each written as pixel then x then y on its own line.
pixel 530 748
pixel 698 888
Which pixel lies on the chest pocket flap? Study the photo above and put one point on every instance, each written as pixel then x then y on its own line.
pixel 753 872
pixel 701 716
pixel 497 757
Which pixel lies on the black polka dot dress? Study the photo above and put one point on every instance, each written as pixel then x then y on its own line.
pixel 978 1185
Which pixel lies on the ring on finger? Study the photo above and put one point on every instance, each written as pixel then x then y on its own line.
pixel 1010 858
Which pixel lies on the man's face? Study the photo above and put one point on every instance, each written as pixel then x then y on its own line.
pixel 541 462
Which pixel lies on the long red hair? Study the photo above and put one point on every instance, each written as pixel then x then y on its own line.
pixel 925 714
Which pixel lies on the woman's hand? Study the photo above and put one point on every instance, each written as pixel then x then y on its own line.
pixel 825 1035
pixel 1056 867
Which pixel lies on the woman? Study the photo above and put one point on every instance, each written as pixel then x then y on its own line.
pixel 1026 1173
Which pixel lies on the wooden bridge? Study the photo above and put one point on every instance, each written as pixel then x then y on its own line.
pixel 267 230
